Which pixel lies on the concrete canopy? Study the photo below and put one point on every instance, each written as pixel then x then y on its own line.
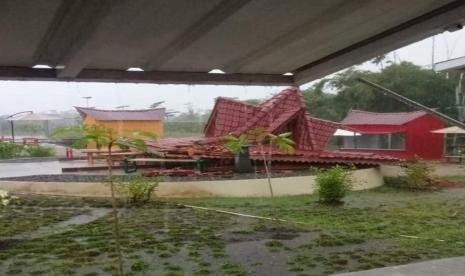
pixel 456 64
pixel 180 41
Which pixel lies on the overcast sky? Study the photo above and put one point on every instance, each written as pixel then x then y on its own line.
pixel 45 96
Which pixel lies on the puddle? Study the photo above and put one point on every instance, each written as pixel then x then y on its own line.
pixel 64 226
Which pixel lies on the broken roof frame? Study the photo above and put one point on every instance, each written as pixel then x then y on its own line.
pixel 85 40
pixel 285 111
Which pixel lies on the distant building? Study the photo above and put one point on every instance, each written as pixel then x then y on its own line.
pixel 125 121
pixel 402 135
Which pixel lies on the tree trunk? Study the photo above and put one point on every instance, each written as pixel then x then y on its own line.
pixel 268 176
pixel 115 213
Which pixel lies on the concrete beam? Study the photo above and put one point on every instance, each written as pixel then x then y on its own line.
pixel 213 18
pixel 456 64
pixel 159 77
pixel 72 27
pixel 424 26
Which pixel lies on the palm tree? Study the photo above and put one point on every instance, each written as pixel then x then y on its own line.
pixel 282 142
pixel 105 137
pixel 378 61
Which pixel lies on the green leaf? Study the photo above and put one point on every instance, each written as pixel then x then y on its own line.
pixel 235 144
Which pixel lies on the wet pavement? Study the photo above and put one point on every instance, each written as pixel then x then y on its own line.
pixel 32 168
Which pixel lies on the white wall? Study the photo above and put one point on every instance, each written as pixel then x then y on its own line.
pixel 440 169
pixel 364 179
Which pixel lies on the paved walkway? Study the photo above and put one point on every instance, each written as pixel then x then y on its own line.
pixel 33 168
pixel 442 267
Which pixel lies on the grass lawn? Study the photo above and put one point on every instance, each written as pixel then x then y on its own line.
pixel 162 238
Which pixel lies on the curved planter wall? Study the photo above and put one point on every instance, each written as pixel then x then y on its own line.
pixel 364 179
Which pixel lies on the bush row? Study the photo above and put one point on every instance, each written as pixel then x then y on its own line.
pixel 9 150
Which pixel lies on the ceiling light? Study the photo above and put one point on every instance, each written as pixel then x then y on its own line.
pixel 135 69
pixel 216 71
pixel 288 74
pixel 41 66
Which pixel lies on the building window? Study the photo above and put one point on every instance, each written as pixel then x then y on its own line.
pixel 389 141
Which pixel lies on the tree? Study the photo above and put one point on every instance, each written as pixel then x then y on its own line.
pixel 107 138
pixel 430 88
pixel 378 61
pixel 262 137
pixel 282 141
pixel 319 103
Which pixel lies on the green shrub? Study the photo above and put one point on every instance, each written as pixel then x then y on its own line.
pixel 39 151
pixel 139 189
pixel 418 174
pixel 333 184
pixel 9 150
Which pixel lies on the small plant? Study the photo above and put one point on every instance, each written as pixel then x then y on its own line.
pixel 274 243
pixel 261 138
pixel 139 189
pixel 104 137
pixel 7 199
pixel 418 174
pixel 9 150
pixel 235 144
pixel 333 184
pixel 39 151
pixel 139 266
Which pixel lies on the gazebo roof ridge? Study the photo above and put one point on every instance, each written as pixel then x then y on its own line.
pixel 115 115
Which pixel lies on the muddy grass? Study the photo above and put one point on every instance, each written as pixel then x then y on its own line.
pixel 162 238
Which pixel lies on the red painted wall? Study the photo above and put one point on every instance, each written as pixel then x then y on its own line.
pixel 419 141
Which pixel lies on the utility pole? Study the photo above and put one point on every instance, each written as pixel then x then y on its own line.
pixel 433 52
pixel 460 98
pixel 412 103
pixel 87 100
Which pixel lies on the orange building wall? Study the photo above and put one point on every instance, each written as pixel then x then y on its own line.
pixel 124 128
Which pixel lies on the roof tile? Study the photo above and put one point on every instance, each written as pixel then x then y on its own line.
pixel 358 117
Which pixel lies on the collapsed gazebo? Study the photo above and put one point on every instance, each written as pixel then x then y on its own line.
pixel 284 112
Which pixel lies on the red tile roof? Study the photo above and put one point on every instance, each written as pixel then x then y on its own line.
pixel 284 112
pixel 154 114
pixel 227 116
pixel 358 117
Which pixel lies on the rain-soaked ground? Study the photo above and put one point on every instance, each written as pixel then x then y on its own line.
pixel 74 236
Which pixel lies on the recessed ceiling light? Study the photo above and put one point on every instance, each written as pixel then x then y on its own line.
pixel 217 71
pixel 135 69
pixel 288 74
pixel 41 66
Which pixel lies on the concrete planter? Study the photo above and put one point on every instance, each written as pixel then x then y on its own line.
pixel 282 186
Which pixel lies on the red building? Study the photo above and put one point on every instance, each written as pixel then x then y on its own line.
pixel 402 135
